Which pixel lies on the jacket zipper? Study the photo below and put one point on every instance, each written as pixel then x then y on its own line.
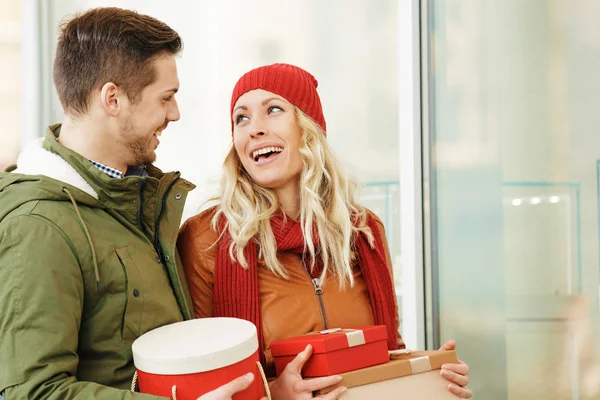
pixel 142 184
pixel 155 241
pixel 184 310
pixel 319 293
pixel 163 203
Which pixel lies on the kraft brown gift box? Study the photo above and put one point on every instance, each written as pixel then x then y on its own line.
pixel 414 376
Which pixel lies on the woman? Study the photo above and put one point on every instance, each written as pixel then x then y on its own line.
pixel 288 247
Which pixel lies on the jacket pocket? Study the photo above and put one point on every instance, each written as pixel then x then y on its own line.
pixel 133 297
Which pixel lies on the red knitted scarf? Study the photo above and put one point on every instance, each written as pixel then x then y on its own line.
pixel 236 292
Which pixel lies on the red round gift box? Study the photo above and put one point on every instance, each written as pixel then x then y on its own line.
pixel 197 357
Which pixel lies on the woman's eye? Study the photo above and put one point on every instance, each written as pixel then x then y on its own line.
pixel 275 109
pixel 240 118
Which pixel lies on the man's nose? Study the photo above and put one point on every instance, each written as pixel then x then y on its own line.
pixel 173 113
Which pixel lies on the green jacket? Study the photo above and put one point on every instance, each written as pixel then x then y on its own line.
pixel 88 263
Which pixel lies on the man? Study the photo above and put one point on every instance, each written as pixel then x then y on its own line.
pixel 88 225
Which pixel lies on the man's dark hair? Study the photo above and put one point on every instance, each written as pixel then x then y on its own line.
pixel 109 45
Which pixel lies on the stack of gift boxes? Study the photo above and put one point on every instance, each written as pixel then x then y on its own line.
pixel 368 370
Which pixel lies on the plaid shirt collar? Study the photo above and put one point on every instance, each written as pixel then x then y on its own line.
pixel 113 173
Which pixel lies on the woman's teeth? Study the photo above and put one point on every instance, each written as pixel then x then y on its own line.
pixel 266 150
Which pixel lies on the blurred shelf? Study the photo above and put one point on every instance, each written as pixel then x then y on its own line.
pixel 532 308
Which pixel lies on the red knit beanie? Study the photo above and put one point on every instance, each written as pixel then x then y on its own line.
pixel 288 81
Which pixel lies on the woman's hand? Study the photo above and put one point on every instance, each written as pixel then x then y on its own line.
pixel 290 385
pixel 456 374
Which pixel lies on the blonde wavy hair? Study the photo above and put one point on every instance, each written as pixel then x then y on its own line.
pixel 327 203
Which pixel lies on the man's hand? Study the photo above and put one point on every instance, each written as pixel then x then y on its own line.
pixel 290 385
pixel 226 391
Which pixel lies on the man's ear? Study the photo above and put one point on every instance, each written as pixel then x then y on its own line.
pixel 111 98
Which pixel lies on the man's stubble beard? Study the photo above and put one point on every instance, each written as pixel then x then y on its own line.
pixel 138 148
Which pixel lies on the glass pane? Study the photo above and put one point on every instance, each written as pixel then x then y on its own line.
pixel 10 80
pixel 383 198
pixel 513 112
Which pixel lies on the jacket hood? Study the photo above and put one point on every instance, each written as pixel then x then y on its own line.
pixel 43 175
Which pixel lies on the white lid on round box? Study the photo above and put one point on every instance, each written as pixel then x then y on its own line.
pixel 194 346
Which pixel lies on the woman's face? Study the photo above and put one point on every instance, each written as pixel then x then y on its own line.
pixel 266 137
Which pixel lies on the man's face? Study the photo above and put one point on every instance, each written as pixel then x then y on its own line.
pixel 142 123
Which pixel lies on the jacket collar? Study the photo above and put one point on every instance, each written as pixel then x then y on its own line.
pixel 36 160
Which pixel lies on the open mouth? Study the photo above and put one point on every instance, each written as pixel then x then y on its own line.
pixel 157 135
pixel 267 153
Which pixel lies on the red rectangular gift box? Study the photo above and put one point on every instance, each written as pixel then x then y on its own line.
pixel 334 350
